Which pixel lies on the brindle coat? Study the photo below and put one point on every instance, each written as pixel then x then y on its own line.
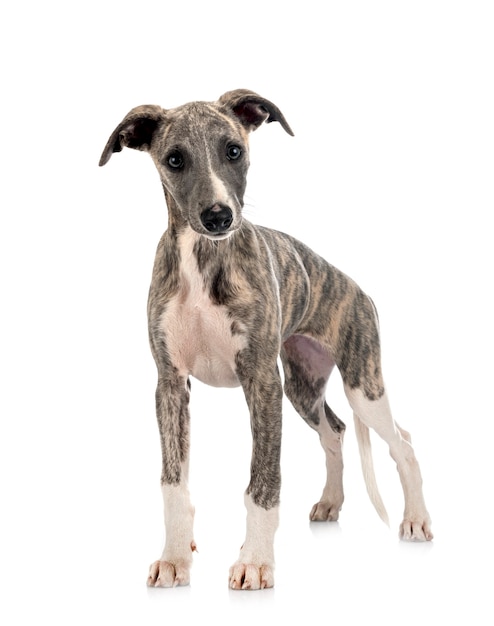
pixel 227 299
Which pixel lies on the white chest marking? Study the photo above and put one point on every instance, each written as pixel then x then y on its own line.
pixel 198 332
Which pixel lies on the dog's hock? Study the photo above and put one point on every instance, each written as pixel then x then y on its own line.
pixel 252 110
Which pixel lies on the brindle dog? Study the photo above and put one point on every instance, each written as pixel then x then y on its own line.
pixel 227 299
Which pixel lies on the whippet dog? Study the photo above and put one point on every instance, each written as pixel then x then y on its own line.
pixel 227 299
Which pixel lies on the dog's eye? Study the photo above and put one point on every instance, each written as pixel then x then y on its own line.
pixel 175 160
pixel 233 153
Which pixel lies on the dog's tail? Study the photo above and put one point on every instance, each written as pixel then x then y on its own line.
pixel 365 449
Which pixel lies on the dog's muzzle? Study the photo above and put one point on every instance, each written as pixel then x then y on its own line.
pixel 217 219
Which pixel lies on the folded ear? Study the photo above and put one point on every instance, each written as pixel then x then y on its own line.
pixel 136 130
pixel 252 110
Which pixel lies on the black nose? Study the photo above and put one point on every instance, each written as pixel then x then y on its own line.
pixel 217 219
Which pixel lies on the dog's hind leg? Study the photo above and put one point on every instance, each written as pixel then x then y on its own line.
pixel 375 413
pixel 307 367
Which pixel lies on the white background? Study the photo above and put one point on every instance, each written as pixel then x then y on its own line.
pixel 389 176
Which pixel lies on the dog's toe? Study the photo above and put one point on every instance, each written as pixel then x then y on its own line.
pixel 166 574
pixel 324 512
pixel 250 577
pixel 416 530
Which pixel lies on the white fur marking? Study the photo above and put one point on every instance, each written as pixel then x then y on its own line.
pixel 179 519
pixel 198 332
pixel 255 565
pixel 261 527
pixel 174 566
pixel 220 192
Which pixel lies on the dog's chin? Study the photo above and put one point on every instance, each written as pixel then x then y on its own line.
pixel 221 236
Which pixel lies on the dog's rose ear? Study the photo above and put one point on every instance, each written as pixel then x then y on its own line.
pixel 136 130
pixel 252 110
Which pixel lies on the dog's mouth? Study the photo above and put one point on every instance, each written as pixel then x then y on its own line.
pixel 219 236
pixel 220 226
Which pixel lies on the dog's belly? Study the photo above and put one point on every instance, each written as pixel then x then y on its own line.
pixel 200 342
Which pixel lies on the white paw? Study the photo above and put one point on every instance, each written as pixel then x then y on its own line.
pixel 325 512
pixel 250 577
pixel 166 574
pixel 416 529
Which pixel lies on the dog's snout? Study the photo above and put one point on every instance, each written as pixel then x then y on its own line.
pixel 217 219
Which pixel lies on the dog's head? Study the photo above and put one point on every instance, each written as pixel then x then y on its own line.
pixel 201 152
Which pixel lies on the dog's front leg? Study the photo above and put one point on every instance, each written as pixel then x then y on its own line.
pixel 172 398
pixel 255 565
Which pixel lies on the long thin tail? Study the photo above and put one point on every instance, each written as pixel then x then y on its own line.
pixel 365 449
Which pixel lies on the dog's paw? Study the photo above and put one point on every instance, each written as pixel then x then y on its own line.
pixel 416 529
pixel 324 512
pixel 166 574
pixel 250 577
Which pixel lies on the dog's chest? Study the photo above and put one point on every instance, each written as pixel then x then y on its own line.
pixel 198 332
